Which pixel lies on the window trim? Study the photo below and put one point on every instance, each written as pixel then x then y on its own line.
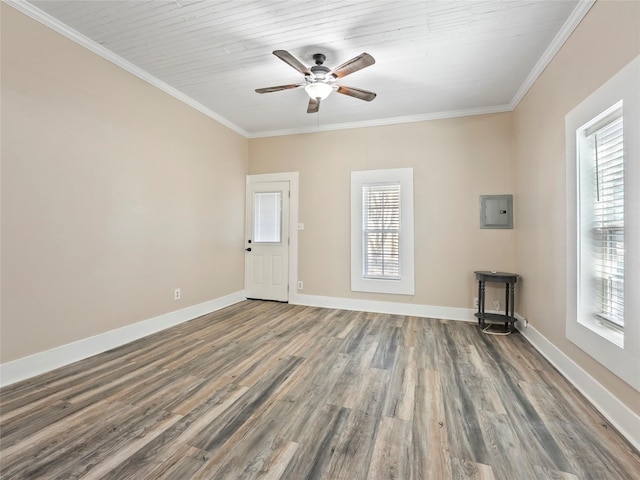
pixel 360 283
pixel 617 351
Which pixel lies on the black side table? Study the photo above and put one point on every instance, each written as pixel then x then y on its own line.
pixel 509 279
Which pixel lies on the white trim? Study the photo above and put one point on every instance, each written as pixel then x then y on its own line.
pixel 394 308
pixel 554 47
pixel 42 362
pixel 622 360
pixel 558 41
pixel 567 28
pixel 386 121
pixel 294 188
pixel 71 34
pixel 620 416
pixel 616 412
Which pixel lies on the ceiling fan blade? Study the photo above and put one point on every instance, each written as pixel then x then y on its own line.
pixel 289 59
pixel 365 95
pixel 353 65
pixel 314 105
pixel 278 88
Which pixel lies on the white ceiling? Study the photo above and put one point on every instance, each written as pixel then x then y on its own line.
pixel 434 59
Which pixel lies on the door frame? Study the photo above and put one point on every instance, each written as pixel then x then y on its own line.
pixel 292 178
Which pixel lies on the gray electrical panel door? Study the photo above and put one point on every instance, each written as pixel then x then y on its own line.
pixel 496 211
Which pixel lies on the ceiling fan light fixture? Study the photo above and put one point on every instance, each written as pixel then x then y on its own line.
pixel 319 90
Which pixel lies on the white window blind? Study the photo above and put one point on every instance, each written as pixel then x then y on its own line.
pixel 267 217
pixel 381 230
pixel 607 242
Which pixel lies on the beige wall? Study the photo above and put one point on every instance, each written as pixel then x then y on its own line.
pixel 454 162
pixel 113 194
pixel 609 33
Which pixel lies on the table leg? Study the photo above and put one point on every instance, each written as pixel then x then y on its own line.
pixel 506 305
pixel 481 303
pixel 512 290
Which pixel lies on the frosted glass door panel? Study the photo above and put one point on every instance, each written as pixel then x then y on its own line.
pixel 267 217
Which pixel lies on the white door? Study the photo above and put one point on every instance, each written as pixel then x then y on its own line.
pixel 267 241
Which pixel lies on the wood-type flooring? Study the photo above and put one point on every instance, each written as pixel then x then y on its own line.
pixel 276 391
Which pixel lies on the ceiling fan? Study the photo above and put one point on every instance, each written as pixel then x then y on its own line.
pixel 320 80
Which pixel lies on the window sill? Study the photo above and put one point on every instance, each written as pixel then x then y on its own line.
pixel 605 331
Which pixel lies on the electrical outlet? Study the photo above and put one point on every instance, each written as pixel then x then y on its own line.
pixel 496 305
pixel 176 294
pixel 300 285
pixel 525 322
pixel 475 302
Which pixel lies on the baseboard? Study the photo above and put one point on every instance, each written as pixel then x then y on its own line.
pixel 616 412
pixel 376 306
pixel 620 416
pixel 27 367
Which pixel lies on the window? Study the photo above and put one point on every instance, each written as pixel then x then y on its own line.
pixel 603 224
pixel 601 198
pixel 382 231
pixel 267 217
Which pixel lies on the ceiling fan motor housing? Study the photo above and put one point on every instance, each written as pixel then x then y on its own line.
pixel 319 58
pixel 319 71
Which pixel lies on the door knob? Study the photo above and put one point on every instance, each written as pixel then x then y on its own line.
pixel 248 249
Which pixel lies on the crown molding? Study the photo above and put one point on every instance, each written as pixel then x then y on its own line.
pixel 561 37
pixel 558 41
pixel 98 49
pixel 386 121
pixel 568 27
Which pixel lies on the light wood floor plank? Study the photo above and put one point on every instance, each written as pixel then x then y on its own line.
pixel 275 465
pixel 467 470
pixel 353 451
pixel 430 457
pixel 143 462
pixel 391 459
pixel 265 390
